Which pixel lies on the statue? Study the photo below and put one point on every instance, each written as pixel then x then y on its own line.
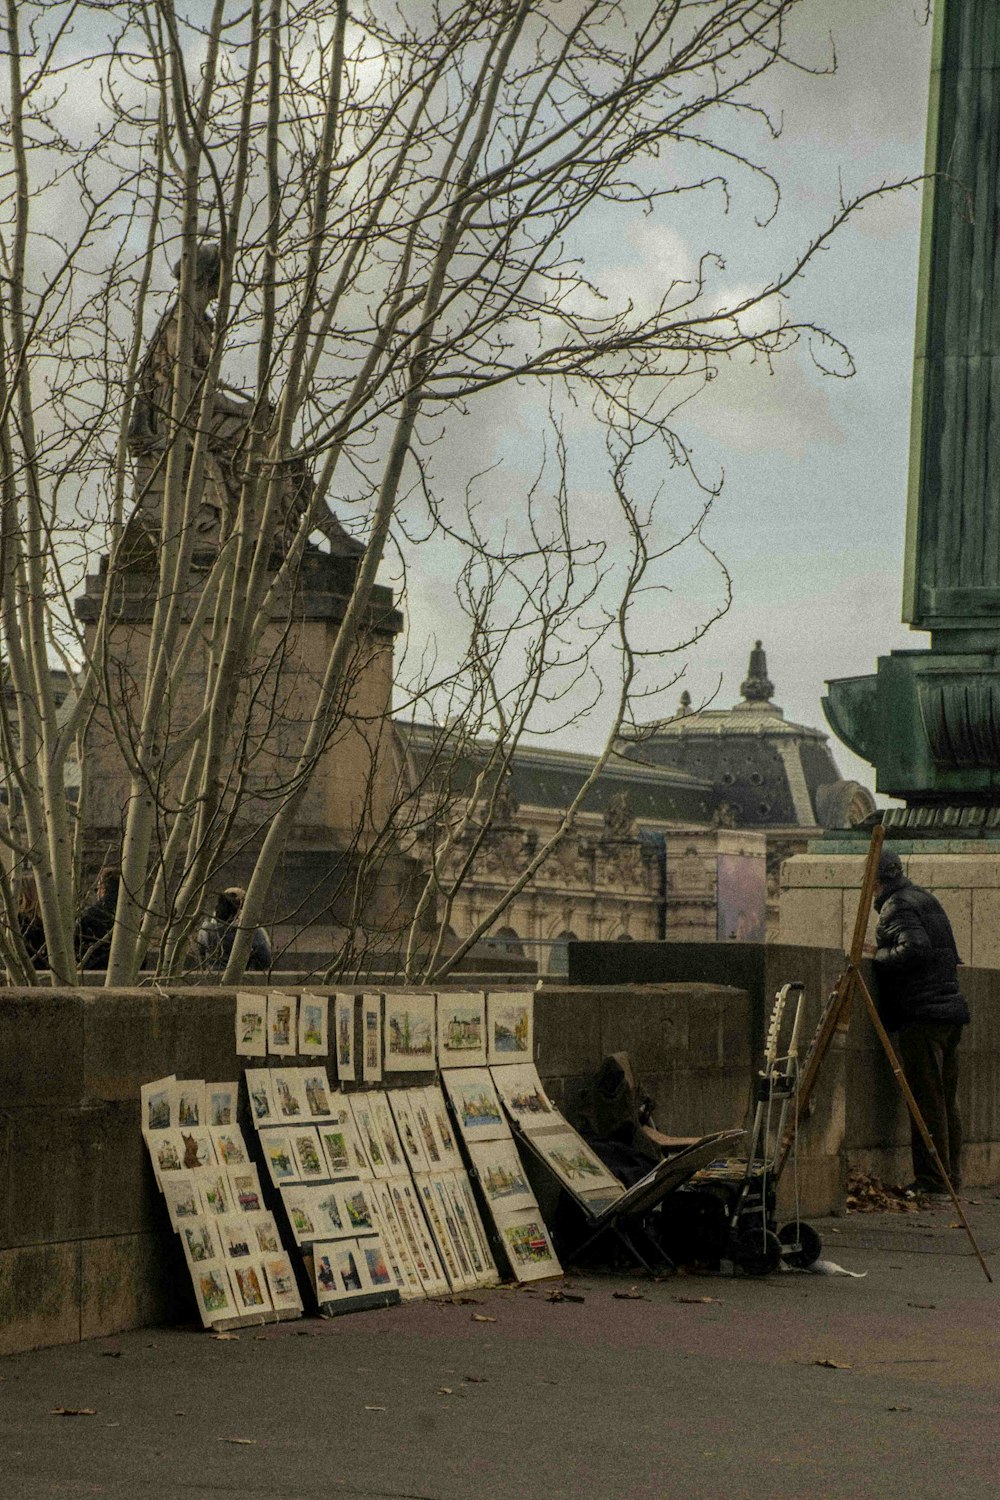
pixel 757 688
pixel 229 417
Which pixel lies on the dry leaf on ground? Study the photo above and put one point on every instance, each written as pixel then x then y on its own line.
pixel 475 1379
pixel 716 1300
pixel 375 1408
pixel 225 1338
pixel 831 1364
pixel 240 1442
pixel 73 1411
pixel 482 1318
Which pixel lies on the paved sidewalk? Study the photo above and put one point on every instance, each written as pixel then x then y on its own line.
pixel 610 1397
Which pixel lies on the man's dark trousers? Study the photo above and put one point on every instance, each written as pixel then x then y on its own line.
pixel 928 1051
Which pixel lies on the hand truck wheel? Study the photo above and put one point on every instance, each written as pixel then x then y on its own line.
pixel 808 1245
pixel 756 1251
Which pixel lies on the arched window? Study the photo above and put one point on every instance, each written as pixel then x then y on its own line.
pixel 506 941
pixel 559 952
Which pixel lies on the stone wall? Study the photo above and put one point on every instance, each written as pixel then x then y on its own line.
pixel 85 1247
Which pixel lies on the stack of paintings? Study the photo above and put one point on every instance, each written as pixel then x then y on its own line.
pixel 505 1187
pixel 549 1135
pixel 239 1269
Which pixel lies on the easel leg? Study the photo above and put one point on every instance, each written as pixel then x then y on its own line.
pixel 917 1117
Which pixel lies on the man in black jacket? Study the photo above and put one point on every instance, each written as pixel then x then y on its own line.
pixel 916 961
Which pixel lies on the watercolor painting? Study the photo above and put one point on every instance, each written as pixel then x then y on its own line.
pixel 180 1193
pixel 265 1232
pixel 244 1188
pixel 301 1220
pixel 573 1161
pixel 190 1102
pixel 482 1267
pixel 343 1017
pixel 343 1118
pixel 388 1135
pixel 477 1108
pixel 282 1033
pixel 213 1188
pixel 379 1274
pixel 250 1287
pixel 530 1250
pixel 261 1096
pixel 157 1102
pixel 440 1125
pixel 346 1261
pixel 410 1133
pixel 409 1033
pixel 461 1021
pixel 313 1037
pixel 167 1151
pixel 238 1240
pixel 278 1156
pixel 336 1150
pixel 419 1243
pixel 221 1103
pixel 328 1213
pixel 365 1123
pixel 357 1208
pixel 511 1027
pixel 289 1094
pixel 521 1090
pixel 230 1147
pixel 316 1087
pixel 308 1154
pixel 371 1038
pixel 468 1198
pixel 501 1175
pixel 198 1147
pixel 199 1241
pixel 281 1283
pixel 212 1290
pixel 251 1024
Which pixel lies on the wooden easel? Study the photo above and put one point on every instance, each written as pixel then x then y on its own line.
pixel 835 1021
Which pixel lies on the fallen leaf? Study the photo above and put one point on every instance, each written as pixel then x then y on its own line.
pixel 899 1408
pixel 445 1390
pixel 830 1364
pixel 474 1379
pixel 467 1301
pixel 375 1408
pixel 225 1337
pixel 955 1225
pixel 482 1318
pixel 72 1411
pixel 240 1442
pixel 716 1300
pixel 558 1295
pixel 977 1201
pixel 111 1354
pixel 634 1295
pixel 928 1305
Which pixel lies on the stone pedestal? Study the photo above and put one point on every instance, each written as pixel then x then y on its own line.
pixel 820 889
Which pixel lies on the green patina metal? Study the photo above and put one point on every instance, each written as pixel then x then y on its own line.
pixel 929 720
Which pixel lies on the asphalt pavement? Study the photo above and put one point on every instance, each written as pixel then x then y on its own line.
pixel 698 1387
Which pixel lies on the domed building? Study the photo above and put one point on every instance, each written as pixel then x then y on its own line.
pixel 681 837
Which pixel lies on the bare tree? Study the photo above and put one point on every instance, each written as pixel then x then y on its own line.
pixel 377 217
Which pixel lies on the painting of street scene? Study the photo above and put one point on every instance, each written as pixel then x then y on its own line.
pixel 409 1032
pixel 246 1187
pixel 501 1173
pixel 289 1105
pixel 213 1291
pixel 358 1211
pixel 312 1024
pixel 529 1245
pixel 511 1027
pixel 378 1272
pixel 251 1291
pixel 335 1146
pixel 521 1090
pixel 157 1102
pixel 573 1161
pixel 199 1241
pixel 317 1095
pixel 477 1107
pixel 346 1266
pixel 462 1030
pixel 344 1028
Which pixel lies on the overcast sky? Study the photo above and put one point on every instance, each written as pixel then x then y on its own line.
pixel 811 518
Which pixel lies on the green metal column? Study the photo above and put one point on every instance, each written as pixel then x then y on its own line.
pixel 929 720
